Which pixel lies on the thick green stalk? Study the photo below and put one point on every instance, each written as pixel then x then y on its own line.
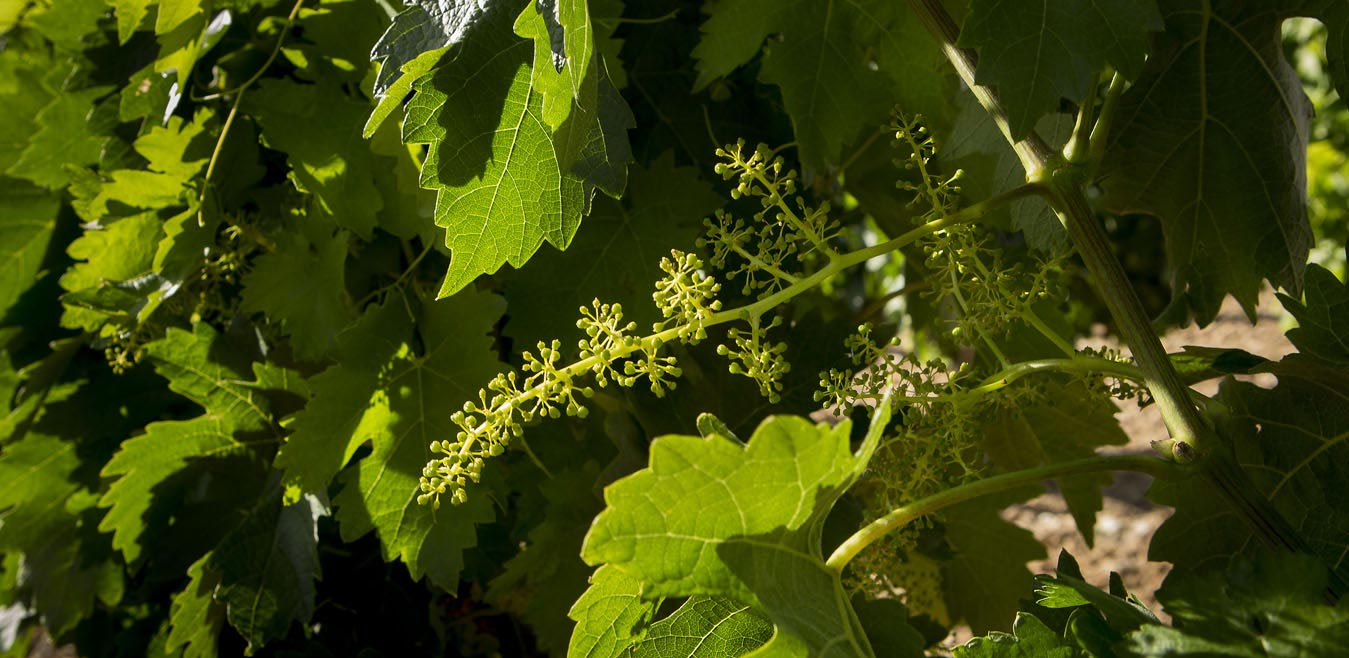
pixel 902 516
pixel 1191 438
pixel 1189 433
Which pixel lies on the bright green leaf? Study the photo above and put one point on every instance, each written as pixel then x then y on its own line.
pixel 195 618
pixel 71 132
pixel 715 517
pixel 130 14
pixel 26 80
pixel 1030 638
pixel 705 627
pixel 610 614
pixel 111 253
pixel 564 71
pixel 506 182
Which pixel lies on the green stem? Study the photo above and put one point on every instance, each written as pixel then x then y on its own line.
pixel 1078 364
pixel 1191 438
pixel 780 203
pixel 1035 321
pixel 902 516
pixel 965 311
pixel 271 57
pixel 1100 133
pixel 1075 151
pixel 759 263
pixel 1189 434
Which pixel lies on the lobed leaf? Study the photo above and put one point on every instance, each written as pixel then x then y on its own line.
pixel 506 181
pixel 1323 319
pixel 398 398
pixel 715 517
pixel 1225 172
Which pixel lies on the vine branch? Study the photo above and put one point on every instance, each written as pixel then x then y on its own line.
pixel 1191 438
pixel 902 516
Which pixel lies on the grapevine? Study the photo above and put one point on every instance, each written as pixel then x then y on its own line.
pixel 514 328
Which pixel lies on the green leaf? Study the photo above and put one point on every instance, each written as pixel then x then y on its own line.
pixel 143 464
pixel 887 625
pixel 1036 54
pixel 977 147
pixel 1225 173
pixel 1270 607
pixel 393 96
pixel 69 25
pixel 610 614
pixel 36 481
pixel 1196 364
pixel 301 285
pixel 1069 590
pixel 44 518
pixel 1323 320
pixel 424 26
pixel 616 258
pixel 192 362
pixel 1030 638
pixel 564 69
pixel 705 627
pixel 1293 442
pixel 118 251
pixel 130 14
pixel 1065 421
pixel 27 219
pixel 842 66
pixel 711 516
pixel 314 125
pixel 176 153
pixel 71 131
pixel 398 397
pixel 195 618
pixel 179 28
pixel 27 81
pixel 267 568
pixel 505 181
pixel 349 405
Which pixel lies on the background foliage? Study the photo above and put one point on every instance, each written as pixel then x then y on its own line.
pixel 257 253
